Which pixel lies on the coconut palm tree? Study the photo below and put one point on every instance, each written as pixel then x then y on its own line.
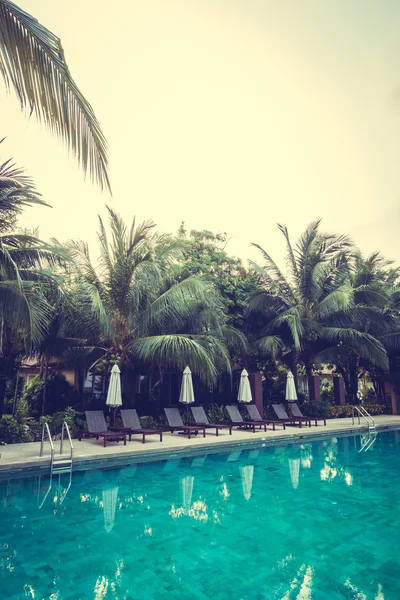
pixel 139 311
pixel 315 306
pixel 24 310
pixel 376 312
pixel 32 63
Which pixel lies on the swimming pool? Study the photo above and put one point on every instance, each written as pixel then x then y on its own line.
pixel 317 521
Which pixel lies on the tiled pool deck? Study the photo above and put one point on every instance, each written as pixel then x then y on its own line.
pixel 89 452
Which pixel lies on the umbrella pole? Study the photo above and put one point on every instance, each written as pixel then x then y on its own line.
pixel 115 410
pixel 187 414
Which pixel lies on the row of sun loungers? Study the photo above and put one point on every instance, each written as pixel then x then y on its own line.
pixel 97 427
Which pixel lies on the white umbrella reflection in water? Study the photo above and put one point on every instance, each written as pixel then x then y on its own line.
pixel 246 474
pixel 110 498
pixel 294 468
pixel 187 484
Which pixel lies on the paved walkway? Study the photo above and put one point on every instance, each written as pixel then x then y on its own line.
pixel 88 452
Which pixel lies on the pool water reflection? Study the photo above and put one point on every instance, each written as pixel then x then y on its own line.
pixel 317 521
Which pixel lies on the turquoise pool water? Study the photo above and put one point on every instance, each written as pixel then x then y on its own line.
pixel 317 521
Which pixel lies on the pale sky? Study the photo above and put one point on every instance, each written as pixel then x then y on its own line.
pixel 231 115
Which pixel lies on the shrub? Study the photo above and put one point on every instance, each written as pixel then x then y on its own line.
pixel 345 410
pixel 75 421
pixel 148 422
pixel 13 431
pixel 216 413
pixel 10 395
pixel 326 391
pixel 316 409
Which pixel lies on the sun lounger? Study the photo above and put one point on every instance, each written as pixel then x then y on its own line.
pixel 283 417
pixel 255 416
pixel 238 421
pixel 97 428
pixel 296 412
pixel 175 423
pixel 131 421
pixel 200 418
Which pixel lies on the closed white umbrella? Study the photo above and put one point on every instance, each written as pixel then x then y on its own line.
pixel 187 393
pixel 291 394
pixel 114 398
pixel 246 474
pixel 244 394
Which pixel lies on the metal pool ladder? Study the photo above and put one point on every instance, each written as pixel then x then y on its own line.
pixel 367 441
pixel 59 464
pixel 361 412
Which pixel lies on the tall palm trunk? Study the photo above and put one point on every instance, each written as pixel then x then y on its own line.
pixel 294 362
pixel 46 364
pixel 81 381
pixel 2 376
pixel 3 383
pixel 354 365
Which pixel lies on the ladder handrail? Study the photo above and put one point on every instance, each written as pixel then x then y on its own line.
pixel 45 429
pixel 362 412
pixel 366 445
pixel 65 426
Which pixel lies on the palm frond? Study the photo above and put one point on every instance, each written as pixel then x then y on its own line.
pixel 79 252
pixel 32 62
pixel 305 244
pixel 24 307
pixel 176 351
pixel 270 345
pixel 291 259
pixel 363 344
pixel 291 319
pixel 272 268
pixel 171 309
pixel 340 300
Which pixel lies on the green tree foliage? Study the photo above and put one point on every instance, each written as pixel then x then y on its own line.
pixel 140 315
pixel 205 255
pixel 316 309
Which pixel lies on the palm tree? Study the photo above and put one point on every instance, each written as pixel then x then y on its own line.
pixel 24 310
pixel 32 62
pixel 376 312
pixel 139 311
pixel 314 307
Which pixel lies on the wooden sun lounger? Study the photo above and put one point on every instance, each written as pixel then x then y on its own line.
pixel 131 421
pixel 200 418
pixel 296 412
pixel 175 423
pixel 97 428
pixel 254 415
pixel 283 417
pixel 238 421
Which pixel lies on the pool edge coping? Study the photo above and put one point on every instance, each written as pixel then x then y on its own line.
pixel 115 460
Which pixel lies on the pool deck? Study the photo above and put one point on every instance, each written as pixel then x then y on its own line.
pixel 89 452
